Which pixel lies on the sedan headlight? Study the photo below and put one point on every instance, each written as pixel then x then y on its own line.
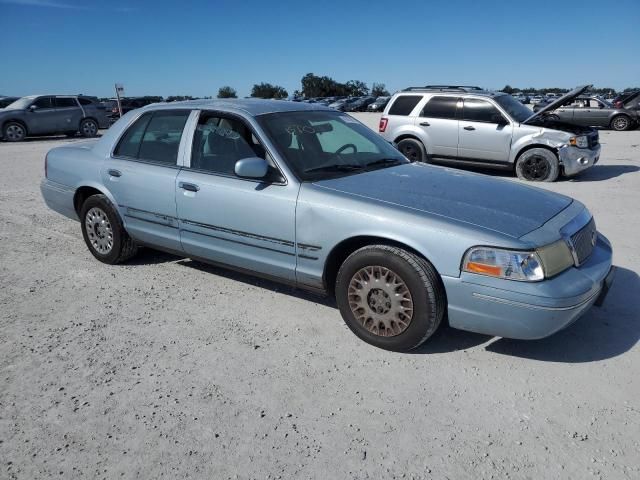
pixel 508 264
pixel 581 142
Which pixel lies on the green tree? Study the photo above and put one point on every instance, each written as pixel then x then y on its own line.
pixel 508 89
pixel 379 90
pixel 266 90
pixel 227 92
pixel 357 88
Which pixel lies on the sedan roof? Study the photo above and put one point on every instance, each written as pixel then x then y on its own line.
pixel 251 106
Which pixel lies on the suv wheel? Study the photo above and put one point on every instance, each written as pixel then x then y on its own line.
pixel 412 149
pixel 14 132
pixel 620 123
pixel 538 165
pixel 389 297
pixel 88 128
pixel 103 231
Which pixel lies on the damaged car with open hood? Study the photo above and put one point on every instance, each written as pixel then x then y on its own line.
pixel 458 126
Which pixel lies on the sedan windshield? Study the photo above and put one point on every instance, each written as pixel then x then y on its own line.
pixel 514 108
pixel 321 144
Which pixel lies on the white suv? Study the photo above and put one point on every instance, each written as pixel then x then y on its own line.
pixel 464 125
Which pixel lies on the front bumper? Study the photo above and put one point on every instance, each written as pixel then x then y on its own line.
pixel 574 159
pixel 529 310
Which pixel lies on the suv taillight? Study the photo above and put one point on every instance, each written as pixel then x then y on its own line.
pixel 383 124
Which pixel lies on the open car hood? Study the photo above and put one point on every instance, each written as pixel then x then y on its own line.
pixel 566 98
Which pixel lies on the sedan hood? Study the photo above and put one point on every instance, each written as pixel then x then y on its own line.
pixel 509 208
pixel 566 98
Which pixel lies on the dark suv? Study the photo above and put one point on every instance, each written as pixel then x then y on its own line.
pixel 51 114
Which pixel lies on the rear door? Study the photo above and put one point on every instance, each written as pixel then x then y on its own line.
pixel 244 223
pixel 68 114
pixel 484 133
pixel 439 122
pixel 141 175
pixel 597 113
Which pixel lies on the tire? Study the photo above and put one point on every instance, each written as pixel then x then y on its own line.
pixel 621 123
pixel 401 321
pixel 88 128
pixel 553 118
pixel 538 165
pixel 14 132
pixel 103 231
pixel 413 149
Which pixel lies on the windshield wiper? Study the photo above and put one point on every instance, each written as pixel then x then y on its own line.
pixel 349 167
pixel 385 162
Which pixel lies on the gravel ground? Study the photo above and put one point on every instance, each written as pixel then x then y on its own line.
pixel 166 367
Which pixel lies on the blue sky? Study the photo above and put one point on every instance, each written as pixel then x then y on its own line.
pixel 194 47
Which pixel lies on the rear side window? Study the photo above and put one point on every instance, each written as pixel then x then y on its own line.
pixel 440 107
pixel 62 102
pixel 475 110
pixel 154 137
pixel 404 104
pixel 84 101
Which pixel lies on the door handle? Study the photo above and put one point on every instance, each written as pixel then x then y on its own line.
pixel 425 124
pixel 114 173
pixel 469 128
pixel 189 186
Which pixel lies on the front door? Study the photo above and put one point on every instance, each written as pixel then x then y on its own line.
pixel 484 133
pixel 141 176
pixel 42 116
pixel 245 223
pixel 439 124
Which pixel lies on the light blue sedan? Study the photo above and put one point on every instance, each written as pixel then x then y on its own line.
pixel 309 196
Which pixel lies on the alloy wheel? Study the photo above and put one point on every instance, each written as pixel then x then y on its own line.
pixel 380 301
pixel 99 230
pixel 535 168
pixel 14 132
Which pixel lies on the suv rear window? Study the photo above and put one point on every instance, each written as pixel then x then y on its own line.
pixel 440 107
pixel 65 102
pixel 84 101
pixel 404 104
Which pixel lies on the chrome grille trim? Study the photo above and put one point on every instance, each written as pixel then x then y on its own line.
pixel 583 242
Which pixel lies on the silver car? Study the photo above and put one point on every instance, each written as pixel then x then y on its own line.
pixel 50 114
pixel 492 129
pixel 311 197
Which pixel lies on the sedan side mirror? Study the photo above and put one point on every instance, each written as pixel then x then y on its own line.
pixel 252 167
pixel 33 108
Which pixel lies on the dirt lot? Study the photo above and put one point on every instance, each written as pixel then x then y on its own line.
pixel 166 367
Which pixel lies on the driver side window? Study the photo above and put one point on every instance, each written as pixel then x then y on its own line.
pixel 220 141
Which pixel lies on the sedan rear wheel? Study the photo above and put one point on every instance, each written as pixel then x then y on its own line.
pixel 620 123
pixel 14 132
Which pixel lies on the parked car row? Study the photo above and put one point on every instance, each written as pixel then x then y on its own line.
pixel 350 104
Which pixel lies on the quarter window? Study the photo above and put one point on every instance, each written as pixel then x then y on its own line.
pixel 476 110
pixel 154 137
pixel 404 104
pixel 219 142
pixel 440 107
pixel 62 102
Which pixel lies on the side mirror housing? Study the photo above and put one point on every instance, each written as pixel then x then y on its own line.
pixel 252 167
pixel 33 108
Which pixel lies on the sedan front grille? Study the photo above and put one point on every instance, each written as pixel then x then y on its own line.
pixel 583 241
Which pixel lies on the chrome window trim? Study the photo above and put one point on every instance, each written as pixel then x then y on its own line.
pixel 255 130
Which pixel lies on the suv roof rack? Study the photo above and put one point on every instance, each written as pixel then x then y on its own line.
pixel 458 88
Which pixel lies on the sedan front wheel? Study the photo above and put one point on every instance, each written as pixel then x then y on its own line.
pixel 389 297
pixel 14 132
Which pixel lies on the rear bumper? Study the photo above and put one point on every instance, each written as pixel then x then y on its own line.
pixel 529 311
pixel 574 159
pixel 58 198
